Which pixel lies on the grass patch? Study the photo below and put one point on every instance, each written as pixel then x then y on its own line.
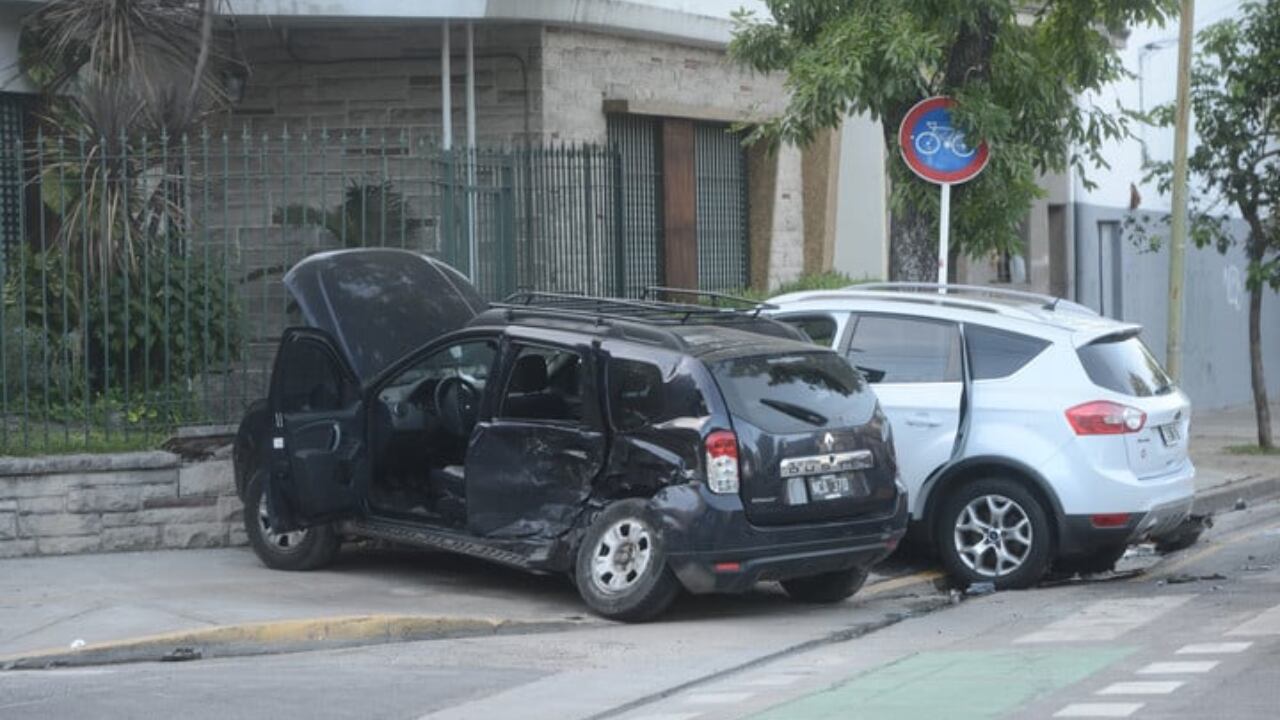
pixel 1251 450
pixel 59 443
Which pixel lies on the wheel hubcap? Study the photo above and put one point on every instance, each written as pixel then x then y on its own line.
pixel 993 535
pixel 279 541
pixel 622 556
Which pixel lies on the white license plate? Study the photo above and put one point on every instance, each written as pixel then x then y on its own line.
pixel 1171 433
pixel 830 487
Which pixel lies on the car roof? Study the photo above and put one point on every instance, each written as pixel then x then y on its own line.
pixel 730 336
pixel 998 307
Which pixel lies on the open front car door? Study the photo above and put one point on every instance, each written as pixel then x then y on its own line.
pixel 320 462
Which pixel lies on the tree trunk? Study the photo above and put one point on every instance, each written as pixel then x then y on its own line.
pixel 1260 406
pixel 913 247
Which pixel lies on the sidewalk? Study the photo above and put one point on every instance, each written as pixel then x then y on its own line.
pixel 1222 477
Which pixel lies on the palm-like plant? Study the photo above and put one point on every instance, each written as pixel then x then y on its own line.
pixel 114 72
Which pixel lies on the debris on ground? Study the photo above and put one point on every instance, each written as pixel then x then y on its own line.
pixel 1183 578
pixel 181 654
pixel 980 588
pixel 1241 504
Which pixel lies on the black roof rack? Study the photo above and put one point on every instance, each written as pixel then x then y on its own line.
pixel 753 306
pixel 651 320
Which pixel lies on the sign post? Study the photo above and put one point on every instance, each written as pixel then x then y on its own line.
pixel 936 150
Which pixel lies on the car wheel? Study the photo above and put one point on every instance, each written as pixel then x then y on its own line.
pixel 305 549
pixel 994 530
pixel 829 587
pixel 621 569
pixel 1095 563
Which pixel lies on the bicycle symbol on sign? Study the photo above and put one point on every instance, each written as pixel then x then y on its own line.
pixel 940 136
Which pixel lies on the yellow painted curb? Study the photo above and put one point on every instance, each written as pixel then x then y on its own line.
pixel 276 636
pixel 899 583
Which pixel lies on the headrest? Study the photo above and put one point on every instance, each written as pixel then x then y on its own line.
pixel 530 374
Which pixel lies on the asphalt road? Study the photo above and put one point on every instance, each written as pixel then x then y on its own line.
pixel 1081 649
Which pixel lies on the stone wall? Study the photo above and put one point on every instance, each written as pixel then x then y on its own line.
pixel 582 69
pixel 106 503
pixel 386 78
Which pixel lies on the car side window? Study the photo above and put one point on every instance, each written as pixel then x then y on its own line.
pixel 545 384
pixel 821 329
pixel 469 360
pixel 891 349
pixel 999 353
pixel 311 379
pixel 636 393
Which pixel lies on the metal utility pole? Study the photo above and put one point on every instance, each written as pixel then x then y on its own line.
pixel 1178 236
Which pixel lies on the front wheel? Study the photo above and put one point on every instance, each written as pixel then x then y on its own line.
pixel 306 549
pixel 994 530
pixel 621 569
pixel 826 588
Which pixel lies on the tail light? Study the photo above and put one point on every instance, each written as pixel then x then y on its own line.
pixel 722 462
pixel 1103 417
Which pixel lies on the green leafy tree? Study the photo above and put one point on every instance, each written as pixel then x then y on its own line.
pixel 1016 69
pixel 1235 99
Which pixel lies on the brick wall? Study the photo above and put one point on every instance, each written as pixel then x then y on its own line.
pixel 105 503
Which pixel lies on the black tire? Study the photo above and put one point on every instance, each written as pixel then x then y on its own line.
pixel 1035 553
pixel 621 586
pixel 831 587
pixel 1095 563
pixel 309 549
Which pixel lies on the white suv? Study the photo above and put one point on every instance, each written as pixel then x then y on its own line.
pixel 1030 431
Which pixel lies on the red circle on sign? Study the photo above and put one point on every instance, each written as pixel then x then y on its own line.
pixel 917 164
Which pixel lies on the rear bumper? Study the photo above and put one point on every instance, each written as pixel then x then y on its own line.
pixel 1079 537
pixel 703 530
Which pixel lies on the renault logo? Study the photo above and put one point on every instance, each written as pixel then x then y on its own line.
pixel 828 442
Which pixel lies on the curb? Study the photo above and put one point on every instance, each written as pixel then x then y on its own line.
pixel 278 637
pixel 1224 497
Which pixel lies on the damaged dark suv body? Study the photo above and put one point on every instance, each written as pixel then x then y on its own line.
pixel 640 447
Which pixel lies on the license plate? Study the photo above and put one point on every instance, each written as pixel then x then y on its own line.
pixel 1170 433
pixel 830 487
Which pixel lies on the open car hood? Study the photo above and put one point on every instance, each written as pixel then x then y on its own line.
pixel 380 303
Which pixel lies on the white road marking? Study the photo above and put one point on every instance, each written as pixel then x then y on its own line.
pixel 668 716
pixel 1170 668
pixel 772 680
pixel 1214 648
pixel 1268 623
pixel 720 698
pixel 1098 710
pixel 1105 620
pixel 1153 687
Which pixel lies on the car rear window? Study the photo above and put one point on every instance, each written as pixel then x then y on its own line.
pixel 1124 365
pixel 795 392
pixel 998 353
pixel 821 329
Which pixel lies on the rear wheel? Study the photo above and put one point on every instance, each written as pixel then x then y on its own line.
pixel 829 587
pixel 994 530
pixel 305 549
pixel 621 570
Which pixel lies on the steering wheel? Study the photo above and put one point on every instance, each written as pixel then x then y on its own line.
pixel 458 405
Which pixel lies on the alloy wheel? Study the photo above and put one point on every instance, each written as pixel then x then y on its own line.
pixel 993 535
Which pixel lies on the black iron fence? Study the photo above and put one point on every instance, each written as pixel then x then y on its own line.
pixel 141 276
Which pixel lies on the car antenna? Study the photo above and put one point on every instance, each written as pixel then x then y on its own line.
pixel 1051 306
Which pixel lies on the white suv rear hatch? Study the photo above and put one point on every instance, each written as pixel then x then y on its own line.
pixel 1121 363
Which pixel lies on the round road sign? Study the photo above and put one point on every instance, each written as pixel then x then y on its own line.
pixel 934 148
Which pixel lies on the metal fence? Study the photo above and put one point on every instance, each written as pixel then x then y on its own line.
pixel 142 276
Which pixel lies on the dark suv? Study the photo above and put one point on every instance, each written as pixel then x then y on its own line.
pixel 637 446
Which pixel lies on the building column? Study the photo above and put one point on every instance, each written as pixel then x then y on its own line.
pixel 679 205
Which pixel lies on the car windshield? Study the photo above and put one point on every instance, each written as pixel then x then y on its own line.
pixel 794 392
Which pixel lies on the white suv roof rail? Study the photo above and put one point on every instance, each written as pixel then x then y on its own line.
pixel 1046 302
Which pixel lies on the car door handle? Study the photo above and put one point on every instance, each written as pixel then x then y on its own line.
pixel 923 420
pixel 578 454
